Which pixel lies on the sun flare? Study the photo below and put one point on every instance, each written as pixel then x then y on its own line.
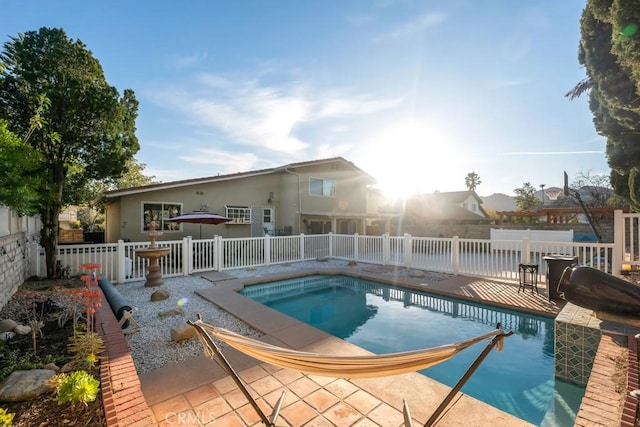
pixel 409 158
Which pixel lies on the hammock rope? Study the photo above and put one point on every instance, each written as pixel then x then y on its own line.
pixel 336 366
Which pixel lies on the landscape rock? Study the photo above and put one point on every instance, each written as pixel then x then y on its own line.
pixel 22 330
pixel 6 336
pixel 170 312
pixel 7 325
pixel 51 366
pixel 160 295
pixel 182 332
pixel 25 385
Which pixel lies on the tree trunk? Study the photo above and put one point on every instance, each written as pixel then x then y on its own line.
pixel 49 238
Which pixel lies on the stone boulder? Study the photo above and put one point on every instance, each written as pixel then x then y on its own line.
pixel 25 385
pixel 22 330
pixel 160 295
pixel 183 332
pixel 7 325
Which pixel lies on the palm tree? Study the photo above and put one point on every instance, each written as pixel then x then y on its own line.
pixel 472 180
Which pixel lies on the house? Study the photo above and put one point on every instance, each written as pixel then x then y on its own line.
pixel 312 197
pixel 461 207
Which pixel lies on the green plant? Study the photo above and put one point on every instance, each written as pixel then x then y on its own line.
pixel 85 348
pixel 80 386
pixel 14 361
pixel 6 418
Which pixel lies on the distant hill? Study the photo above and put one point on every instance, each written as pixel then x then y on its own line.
pixel 499 202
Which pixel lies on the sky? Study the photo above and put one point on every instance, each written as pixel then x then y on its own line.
pixel 416 93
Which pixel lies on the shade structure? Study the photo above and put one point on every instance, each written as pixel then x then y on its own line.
pixel 200 217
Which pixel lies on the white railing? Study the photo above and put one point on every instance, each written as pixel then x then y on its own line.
pixel 471 257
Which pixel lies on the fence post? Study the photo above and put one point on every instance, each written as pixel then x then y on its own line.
pixel 356 256
pixel 330 245
pixel 121 261
pixel 218 247
pixel 619 244
pixel 187 262
pixel 301 246
pixel 408 250
pixel 526 251
pixel 35 259
pixel 267 249
pixel 386 248
pixel 455 254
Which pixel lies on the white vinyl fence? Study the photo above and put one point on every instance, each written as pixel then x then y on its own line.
pixel 471 257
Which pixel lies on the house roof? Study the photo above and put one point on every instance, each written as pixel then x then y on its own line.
pixel 205 180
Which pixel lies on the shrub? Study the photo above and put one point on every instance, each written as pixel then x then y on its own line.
pixel 6 418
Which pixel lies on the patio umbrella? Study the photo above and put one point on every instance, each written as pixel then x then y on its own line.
pixel 200 217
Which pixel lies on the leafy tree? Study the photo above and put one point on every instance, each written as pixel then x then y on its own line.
pixel 596 187
pixel 526 198
pixel 610 52
pixel 472 180
pixel 19 164
pixel 86 133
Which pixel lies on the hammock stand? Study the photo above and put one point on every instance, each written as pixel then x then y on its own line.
pixel 211 348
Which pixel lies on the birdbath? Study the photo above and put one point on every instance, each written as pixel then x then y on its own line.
pixel 153 253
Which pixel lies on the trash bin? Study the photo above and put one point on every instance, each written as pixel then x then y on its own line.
pixel 556 265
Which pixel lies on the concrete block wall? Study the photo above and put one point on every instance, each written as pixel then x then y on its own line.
pixel 13 265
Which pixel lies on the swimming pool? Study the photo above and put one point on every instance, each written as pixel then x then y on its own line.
pixel 383 318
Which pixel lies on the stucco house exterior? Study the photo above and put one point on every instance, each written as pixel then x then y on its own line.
pixel 312 197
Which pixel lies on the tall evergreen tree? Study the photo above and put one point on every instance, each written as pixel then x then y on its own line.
pixel 610 52
pixel 86 133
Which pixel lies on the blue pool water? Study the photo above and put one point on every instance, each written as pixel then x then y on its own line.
pixel 383 318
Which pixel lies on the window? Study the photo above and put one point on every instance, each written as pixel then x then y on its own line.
pixel 322 187
pixel 474 207
pixel 238 214
pixel 160 212
pixel 267 213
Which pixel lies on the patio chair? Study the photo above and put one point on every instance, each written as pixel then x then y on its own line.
pixel 366 366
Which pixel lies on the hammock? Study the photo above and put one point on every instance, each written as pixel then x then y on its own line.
pixel 342 366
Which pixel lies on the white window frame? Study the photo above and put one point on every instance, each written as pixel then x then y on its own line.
pixel 238 214
pixel 328 187
pixel 171 227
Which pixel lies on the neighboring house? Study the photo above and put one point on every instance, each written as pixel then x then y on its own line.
pixel 459 207
pixel 313 197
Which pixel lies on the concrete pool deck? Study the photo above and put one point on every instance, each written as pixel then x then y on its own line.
pixel 198 392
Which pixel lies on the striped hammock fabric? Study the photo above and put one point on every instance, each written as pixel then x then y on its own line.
pixel 361 366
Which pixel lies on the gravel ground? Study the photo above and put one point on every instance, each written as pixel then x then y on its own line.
pixel 152 347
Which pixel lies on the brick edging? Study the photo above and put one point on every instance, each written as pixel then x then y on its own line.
pixel 122 398
pixel 630 408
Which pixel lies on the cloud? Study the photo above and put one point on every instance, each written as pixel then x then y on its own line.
pixel 181 62
pixel 252 114
pixel 227 161
pixel 417 25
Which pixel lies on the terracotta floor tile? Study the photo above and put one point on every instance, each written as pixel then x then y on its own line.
pixel 228 420
pixel 201 394
pixel 303 386
pixel 319 421
pixel 252 374
pixel 362 401
pixel 169 408
pixel 266 385
pixel 342 414
pixel 365 422
pixel 225 385
pixel 235 398
pixel 273 397
pixel 386 416
pixel 341 388
pixel 213 409
pixel 321 400
pixel 322 381
pixel 285 376
pixel 299 413
pixel 248 415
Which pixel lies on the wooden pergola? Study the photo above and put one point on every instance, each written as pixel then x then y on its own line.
pixel 557 215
